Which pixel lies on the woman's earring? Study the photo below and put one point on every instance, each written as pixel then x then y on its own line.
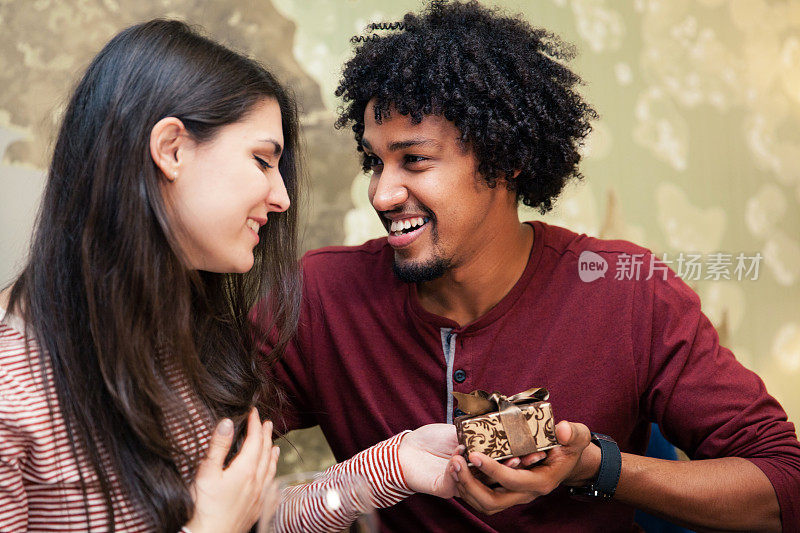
pixel 174 175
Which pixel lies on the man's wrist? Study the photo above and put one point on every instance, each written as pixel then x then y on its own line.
pixel 604 485
pixel 587 469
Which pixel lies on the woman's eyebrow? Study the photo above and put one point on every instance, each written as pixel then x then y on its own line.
pixel 278 147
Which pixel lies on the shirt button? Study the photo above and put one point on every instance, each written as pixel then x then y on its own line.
pixel 459 375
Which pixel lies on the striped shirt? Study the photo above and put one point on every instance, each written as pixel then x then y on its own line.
pixel 40 482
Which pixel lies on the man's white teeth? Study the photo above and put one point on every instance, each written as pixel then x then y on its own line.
pixel 398 226
pixel 253 225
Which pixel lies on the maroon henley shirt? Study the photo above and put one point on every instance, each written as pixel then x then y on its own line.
pixel 616 354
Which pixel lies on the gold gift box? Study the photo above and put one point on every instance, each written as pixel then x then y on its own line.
pixel 487 433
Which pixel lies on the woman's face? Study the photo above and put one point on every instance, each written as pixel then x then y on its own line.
pixel 225 189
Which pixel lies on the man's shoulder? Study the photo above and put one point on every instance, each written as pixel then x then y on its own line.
pixel 370 251
pixel 565 242
pixel 616 264
pixel 348 262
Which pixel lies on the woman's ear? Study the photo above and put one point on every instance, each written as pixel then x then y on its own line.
pixel 168 139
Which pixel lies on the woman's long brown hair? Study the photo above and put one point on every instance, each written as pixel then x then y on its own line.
pixel 105 292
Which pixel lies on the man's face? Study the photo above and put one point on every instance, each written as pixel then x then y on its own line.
pixel 425 187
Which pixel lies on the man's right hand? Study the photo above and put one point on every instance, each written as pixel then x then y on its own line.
pixel 567 464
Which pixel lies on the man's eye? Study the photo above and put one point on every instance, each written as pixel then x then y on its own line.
pixel 370 162
pixel 263 163
pixel 415 158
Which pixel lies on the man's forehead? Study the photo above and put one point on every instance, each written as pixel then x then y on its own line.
pixel 398 132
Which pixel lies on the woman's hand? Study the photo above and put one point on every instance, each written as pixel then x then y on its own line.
pixel 231 499
pixel 424 455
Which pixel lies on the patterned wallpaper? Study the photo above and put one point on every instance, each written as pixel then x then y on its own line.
pixel 696 154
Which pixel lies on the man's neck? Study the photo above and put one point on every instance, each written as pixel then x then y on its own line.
pixel 468 291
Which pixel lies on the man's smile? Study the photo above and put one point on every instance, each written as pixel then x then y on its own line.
pixel 404 231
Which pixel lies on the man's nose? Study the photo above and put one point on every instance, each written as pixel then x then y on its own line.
pixel 390 192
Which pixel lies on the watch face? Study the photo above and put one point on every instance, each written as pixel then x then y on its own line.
pixel 601 436
pixel 587 494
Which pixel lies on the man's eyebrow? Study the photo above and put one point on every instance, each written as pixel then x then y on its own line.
pixel 278 147
pixel 402 145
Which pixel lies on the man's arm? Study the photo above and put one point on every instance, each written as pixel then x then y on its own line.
pixel 291 371
pixel 715 494
pixel 730 493
pixel 747 469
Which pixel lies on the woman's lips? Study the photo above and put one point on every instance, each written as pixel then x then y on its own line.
pixel 254 225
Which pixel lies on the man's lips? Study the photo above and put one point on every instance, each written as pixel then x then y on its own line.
pixel 402 225
pixel 403 231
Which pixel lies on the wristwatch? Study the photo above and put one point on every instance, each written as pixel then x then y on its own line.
pixel 604 486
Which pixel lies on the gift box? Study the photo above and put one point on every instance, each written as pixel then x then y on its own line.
pixel 503 427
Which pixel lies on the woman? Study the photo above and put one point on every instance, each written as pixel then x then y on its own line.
pixel 126 338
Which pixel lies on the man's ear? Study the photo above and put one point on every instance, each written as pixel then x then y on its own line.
pixel 504 179
pixel 168 140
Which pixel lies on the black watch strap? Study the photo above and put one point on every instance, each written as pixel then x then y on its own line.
pixel 605 485
pixel 610 465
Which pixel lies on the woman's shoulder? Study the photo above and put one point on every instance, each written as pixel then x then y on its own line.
pixel 15 341
pixel 22 382
pixel 12 329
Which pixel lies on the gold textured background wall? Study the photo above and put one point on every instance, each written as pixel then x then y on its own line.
pixel 697 149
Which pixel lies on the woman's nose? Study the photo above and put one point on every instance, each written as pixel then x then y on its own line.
pixel 278 197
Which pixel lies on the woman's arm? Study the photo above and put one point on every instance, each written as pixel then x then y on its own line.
pixel 13 499
pixel 412 461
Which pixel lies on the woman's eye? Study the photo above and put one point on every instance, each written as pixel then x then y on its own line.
pixel 263 163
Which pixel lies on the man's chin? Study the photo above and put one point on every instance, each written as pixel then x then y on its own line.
pixel 419 272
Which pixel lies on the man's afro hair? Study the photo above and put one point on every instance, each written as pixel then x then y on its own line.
pixel 501 82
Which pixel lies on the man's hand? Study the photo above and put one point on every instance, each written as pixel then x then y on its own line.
pixel 424 456
pixel 572 463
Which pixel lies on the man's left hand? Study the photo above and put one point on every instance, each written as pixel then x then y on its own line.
pixel 574 463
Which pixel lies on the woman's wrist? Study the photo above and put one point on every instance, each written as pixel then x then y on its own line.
pixel 398 456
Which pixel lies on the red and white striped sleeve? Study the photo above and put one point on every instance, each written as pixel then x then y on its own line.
pixel 13 498
pixel 302 507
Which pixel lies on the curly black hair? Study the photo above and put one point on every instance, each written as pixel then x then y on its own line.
pixel 499 80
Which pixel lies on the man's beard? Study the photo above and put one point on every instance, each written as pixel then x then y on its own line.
pixel 435 268
pixel 421 272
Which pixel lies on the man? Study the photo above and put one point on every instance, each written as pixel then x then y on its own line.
pixel 459 117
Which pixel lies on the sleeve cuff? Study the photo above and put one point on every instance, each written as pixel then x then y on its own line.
pixel 787 490
pixel 380 466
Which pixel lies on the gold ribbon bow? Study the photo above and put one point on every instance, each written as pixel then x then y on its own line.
pixel 520 439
